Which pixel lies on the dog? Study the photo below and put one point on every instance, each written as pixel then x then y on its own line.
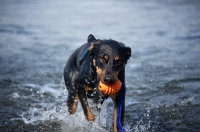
pixel 95 61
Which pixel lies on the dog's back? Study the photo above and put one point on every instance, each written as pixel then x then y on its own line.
pixel 73 67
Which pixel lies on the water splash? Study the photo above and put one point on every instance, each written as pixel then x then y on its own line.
pixel 49 104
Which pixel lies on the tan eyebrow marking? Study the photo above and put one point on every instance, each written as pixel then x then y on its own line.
pixel 106 57
pixel 117 58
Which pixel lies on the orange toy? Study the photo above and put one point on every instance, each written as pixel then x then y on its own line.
pixel 110 88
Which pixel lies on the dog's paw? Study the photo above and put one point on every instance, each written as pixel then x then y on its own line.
pixel 91 117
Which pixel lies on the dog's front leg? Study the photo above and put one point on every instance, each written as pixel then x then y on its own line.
pixel 84 103
pixel 114 98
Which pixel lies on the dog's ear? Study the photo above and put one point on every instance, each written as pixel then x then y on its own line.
pixel 91 38
pixel 128 52
pixel 94 43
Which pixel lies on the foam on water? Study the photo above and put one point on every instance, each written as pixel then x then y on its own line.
pixel 49 104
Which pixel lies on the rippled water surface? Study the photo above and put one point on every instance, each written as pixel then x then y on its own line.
pixel 162 76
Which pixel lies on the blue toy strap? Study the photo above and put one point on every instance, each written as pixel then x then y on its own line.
pixel 83 57
pixel 121 99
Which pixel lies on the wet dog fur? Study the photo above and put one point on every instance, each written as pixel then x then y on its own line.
pixel 104 61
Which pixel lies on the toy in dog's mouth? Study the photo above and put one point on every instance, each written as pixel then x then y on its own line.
pixel 108 89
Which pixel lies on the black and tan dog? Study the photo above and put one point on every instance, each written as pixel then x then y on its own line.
pixel 98 60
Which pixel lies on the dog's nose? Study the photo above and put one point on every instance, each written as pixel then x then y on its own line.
pixel 108 80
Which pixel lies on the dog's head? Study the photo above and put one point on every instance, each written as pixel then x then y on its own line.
pixel 109 58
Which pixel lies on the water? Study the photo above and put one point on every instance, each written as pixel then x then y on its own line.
pixel 162 76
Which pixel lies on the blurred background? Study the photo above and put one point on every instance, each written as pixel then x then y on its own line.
pixel 162 76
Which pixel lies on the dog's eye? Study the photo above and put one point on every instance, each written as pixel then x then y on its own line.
pixel 118 62
pixel 102 59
